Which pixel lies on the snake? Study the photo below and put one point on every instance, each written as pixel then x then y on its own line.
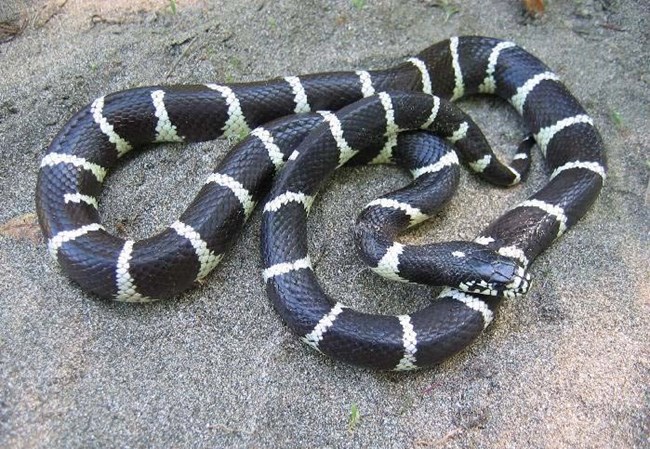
pixel 292 132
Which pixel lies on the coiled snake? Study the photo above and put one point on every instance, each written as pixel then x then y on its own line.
pixel 316 123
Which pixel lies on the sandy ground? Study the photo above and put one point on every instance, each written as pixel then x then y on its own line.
pixel 566 366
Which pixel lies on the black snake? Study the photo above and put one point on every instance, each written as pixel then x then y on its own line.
pixel 373 119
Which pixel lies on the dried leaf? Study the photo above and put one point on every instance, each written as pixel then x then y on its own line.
pixel 22 227
pixel 534 8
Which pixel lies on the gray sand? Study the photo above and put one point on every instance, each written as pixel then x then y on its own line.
pixel 565 366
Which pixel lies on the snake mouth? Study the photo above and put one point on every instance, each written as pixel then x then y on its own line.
pixel 518 286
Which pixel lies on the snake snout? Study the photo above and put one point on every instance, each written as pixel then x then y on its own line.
pixel 514 278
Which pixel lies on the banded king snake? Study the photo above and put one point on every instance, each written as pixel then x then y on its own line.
pixel 375 118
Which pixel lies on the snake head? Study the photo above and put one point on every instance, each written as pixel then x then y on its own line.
pixel 498 275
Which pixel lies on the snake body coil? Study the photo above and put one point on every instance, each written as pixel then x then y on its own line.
pixel 376 116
